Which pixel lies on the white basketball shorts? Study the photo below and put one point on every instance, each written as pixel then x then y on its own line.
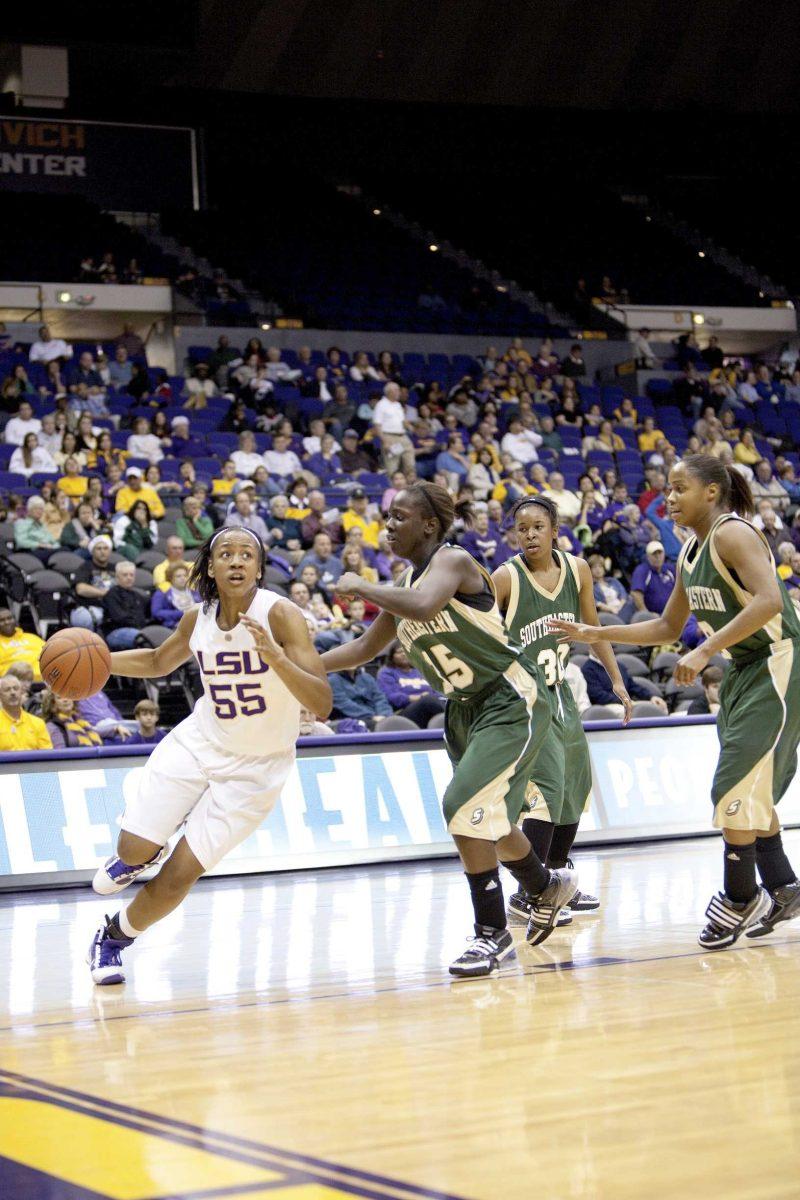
pixel 221 797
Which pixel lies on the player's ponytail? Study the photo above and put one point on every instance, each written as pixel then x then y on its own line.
pixel 436 501
pixel 734 490
pixel 741 500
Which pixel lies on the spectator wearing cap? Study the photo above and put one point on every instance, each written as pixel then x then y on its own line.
pixel 19 730
pixel 16 646
pixel 92 580
pixel 136 489
pixel 245 516
pixel 652 581
pixel 183 445
pixel 31 532
pixel 21 423
pixel 355 460
pixel 246 459
pixel 390 425
pixel 357 516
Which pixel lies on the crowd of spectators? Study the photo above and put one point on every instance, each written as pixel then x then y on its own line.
pixel 115 475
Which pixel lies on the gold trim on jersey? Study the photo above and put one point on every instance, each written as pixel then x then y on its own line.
pixel 513 596
pixel 562 575
pixel 683 564
pixel 774 627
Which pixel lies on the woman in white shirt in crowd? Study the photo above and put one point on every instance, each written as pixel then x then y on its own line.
pixel 143 443
pixel 30 457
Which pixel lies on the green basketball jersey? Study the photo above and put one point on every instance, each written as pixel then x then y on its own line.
pixel 530 606
pixel 461 650
pixel 716 595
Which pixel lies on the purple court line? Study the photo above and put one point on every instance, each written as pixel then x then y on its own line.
pixel 302 1168
pixel 356 994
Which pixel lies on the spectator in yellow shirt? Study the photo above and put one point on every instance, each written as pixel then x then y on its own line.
pixel 356 516
pixel 175 552
pixel 17 646
pixel 225 484
pixel 19 730
pixel 746 451
pixel 135 489
pixel 649 435
pixel 72 483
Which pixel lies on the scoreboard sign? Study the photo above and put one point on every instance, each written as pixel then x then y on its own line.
pixel 134 168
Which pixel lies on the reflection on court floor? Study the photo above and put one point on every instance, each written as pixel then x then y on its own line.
pixel 297 1036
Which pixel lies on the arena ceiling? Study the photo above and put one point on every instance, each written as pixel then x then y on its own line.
pixel 732 55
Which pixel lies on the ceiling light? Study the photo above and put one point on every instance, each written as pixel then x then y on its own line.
pixel 698 318
pixel 433 247
pixel 701 253
pixel 64 297
pixel 376 212
pixel 265 325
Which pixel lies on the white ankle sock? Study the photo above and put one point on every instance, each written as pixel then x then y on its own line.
pixel 125 925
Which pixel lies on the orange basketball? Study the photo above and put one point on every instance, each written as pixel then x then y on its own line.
pixel 75 663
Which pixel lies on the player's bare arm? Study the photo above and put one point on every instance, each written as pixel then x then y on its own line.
pixel 161 661
pixel 743 552
pixel 602 650
pixel 362 649
pixel 453 571
pixel 502 587
pixel 286 647
pixel 665 628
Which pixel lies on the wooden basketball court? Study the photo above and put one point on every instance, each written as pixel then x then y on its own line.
pixel 297 1036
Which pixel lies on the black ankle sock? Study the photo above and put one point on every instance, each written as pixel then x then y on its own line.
pixel 773 865
pixel 113 930
pixel 563 837
pixel 740 872
pixel 487 898
pixel 540 835
pixel 530 873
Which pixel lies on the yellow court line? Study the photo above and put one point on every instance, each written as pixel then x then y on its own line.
pixel 121 1163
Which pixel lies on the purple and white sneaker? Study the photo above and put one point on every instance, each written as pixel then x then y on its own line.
pixel 105 957
pixel 115 875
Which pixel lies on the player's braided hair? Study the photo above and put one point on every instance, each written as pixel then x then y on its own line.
pixel 200 581
pixel 436 501
pixel 734 490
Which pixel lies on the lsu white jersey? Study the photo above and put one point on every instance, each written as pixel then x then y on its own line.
pixel 245 708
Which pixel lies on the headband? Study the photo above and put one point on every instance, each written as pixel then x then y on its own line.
pixel 532 500
pixel 237 529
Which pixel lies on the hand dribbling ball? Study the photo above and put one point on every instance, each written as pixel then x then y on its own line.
pixel 75 663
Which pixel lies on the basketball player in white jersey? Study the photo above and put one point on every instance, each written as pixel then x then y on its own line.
pixel 221 771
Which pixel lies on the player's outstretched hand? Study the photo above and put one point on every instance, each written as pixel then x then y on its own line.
pixel 573 631
pixel 268 649
pixel 626 702
pixel 689 666
pixel 348 584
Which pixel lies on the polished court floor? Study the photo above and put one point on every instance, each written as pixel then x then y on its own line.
pixel 297 1037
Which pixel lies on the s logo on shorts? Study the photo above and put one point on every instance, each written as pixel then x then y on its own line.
pixel 476 817
pixel 733 808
